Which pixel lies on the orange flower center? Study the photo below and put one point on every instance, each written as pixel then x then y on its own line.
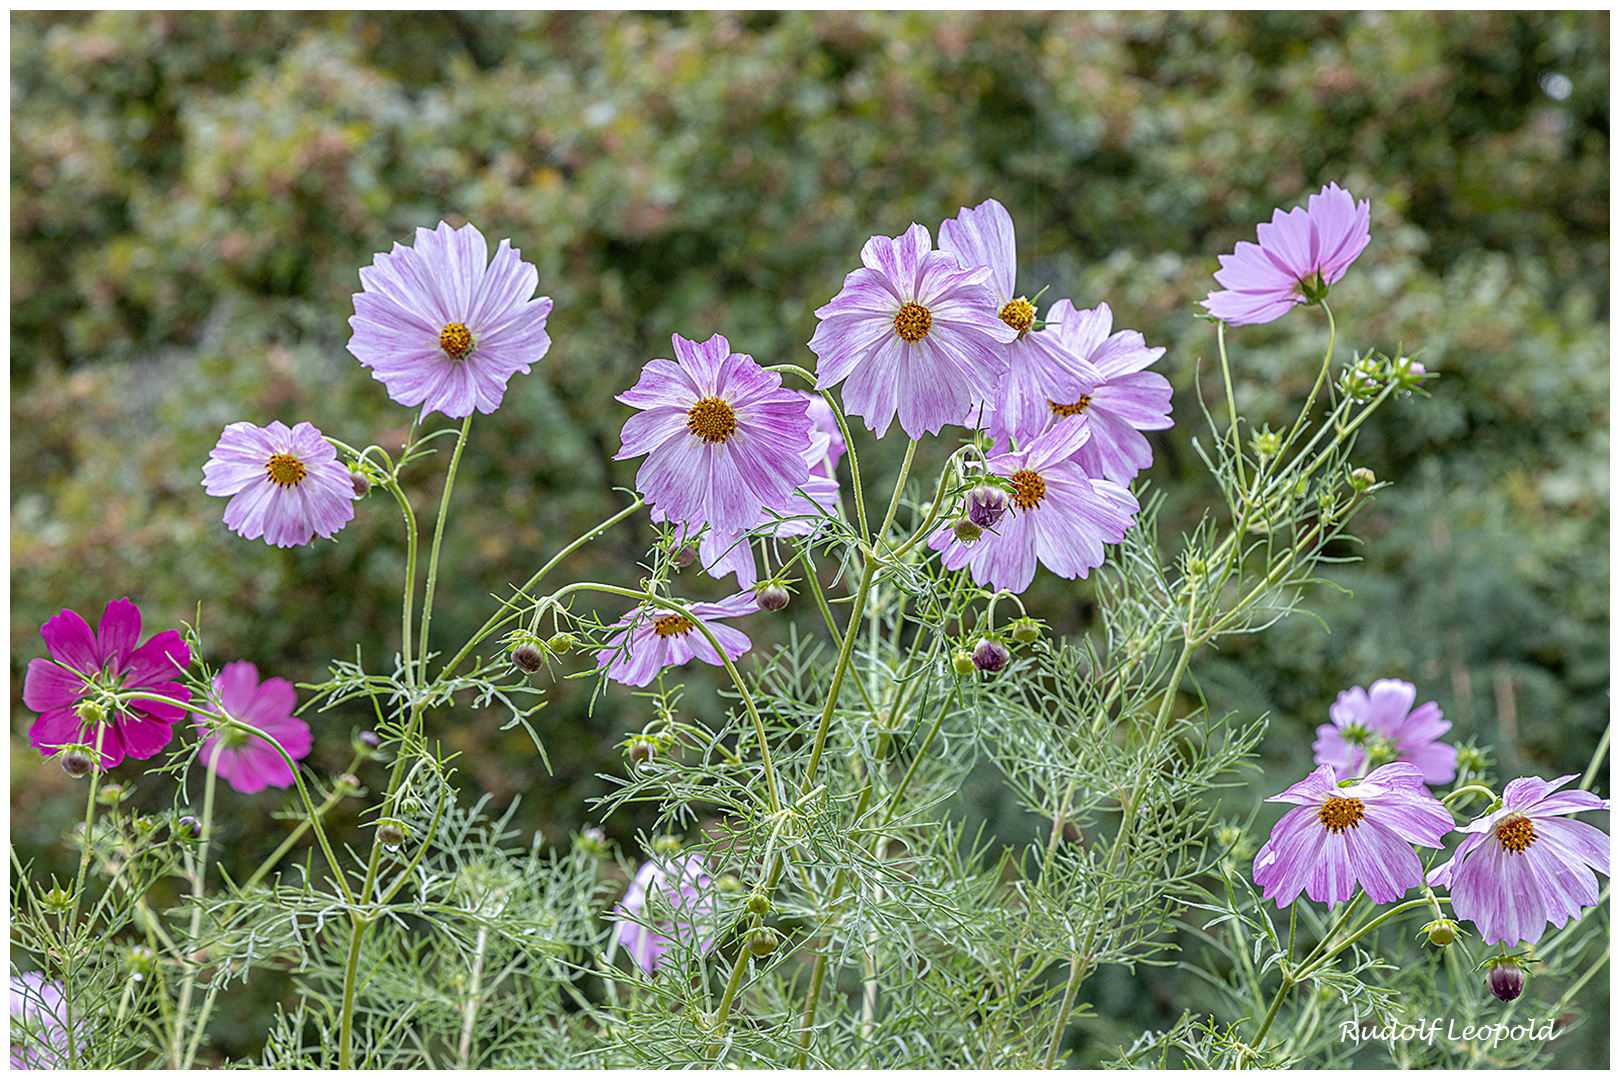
pixel 673 625
pixel 1516 835
pixel 456 340
pixel 1339 814
pixel 711 420
pixel 1028 489
pixel 286 470
pixel 1018 314
pixel 1065 411
pixel 912 322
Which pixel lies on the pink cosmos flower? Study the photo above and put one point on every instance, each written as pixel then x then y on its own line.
pixel 1299 255
pixel 39 1032
pixel 1059 515
pixel 652 639
pixel 1123 402
pixel 1041 368
pixel 1363 833
pixel 1525 865
pixel 444 326
pixel 85 664
pixel 722 438
pixel 669 903
pixel 285 484
pixel 247 762
pixel 1374 726
pixel 913 333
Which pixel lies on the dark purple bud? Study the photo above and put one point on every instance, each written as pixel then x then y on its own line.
pixel 362 486
pixel 187 828
pixel 528 658
pixel 985 505
pixel 1505 979
pixel 683 558
pixel 76 764
pixel 991 656
pixel 773 598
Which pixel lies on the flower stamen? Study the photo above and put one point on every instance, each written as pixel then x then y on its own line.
pixel 1018 314
pixel 1339 814
pixel 712 420
pixel 1516 835
pixel 1028 489
pixel 456 340
pixel 1065 411
pixel 285 469
pixel 912 322
pixel 673 625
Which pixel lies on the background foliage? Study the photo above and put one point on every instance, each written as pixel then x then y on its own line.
pixel 193 193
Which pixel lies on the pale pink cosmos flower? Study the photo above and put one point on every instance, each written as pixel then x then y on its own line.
pixel 1525 865
pixel 1299 255
pixel 670 903
pixel 1378 725
pixel 911 333
pixel 444 326
pixel 650 639
pixel 1362 833
pixel 83 663
pixel 285 484
pixel 247 762
pixel 723 439
pixel 39 1031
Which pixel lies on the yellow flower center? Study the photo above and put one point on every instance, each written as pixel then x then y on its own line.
pixel 286 470
pixel 711 420
pixel 1339 814
pixel 456 340
pixel 672 625
pixel 1065 411
pixel 1516 835
pixel 1028 489
pixel 1018 314
pixel 912 322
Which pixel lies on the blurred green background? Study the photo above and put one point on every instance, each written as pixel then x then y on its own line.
pixel 192 195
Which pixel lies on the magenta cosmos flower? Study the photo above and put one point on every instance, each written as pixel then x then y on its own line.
pixel 84 665
pixel 1361 833
pixel 1059 515
pixel 913 333
pixel 1123 402
pixel 1525 865
pixel 285 484
pixel 651 639
pixel 1040 367
pixel 39 1031
pixel 669 903
pixel 1299 255
pixel 247 762
pixel 1371 727
pixel 444 326
pixel 722 438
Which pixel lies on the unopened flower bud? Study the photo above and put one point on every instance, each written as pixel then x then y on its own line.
pixel 990 655
pixel 1441 931
pixel 640 752
pixel 348 783
pixel 593 841
pixel 369 739
pixel 965 531
pixel 985 505
pixel 390 834
pixel 762 942
pixel 187 828
pixel 527 658
pixel 962 663
pixel 666 845
pixel 1505 979
pixel 92 713
pixel 362 485
pixel 1026 630
pixel 562 642
pixel 773 598
pixel 1362 479
pixel 110 794
pixel 76 764
pixel 683 558
pixel 757 903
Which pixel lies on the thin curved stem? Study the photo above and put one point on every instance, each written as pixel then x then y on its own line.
pixel 438 538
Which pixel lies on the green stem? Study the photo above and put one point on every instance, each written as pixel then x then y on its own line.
pixel 351 971
pixel 1063 1011
pixel 268 864
pixel 438 538
pixel 393 487
pixel 1597 758
pixel 1231 408
pixel 198 883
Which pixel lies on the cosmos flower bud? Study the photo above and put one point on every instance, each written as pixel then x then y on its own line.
pixel 962 663
pixel 985 505
pixel 527 658
pixel 683 558
pixel 110 794
pixel 562 642
pixel 76 764
pixel 757 903
pixel 762 942
pixel 348 783
pixel 640 752
pixel 593 841
pixel 1505 978
pixel 1441 932
pixel 187 828
pixel 361 482
pixel 1363 479
pixel 965 531
pixel 390 834
pixel 990 655
pixel 773 598
pixel 1026 630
